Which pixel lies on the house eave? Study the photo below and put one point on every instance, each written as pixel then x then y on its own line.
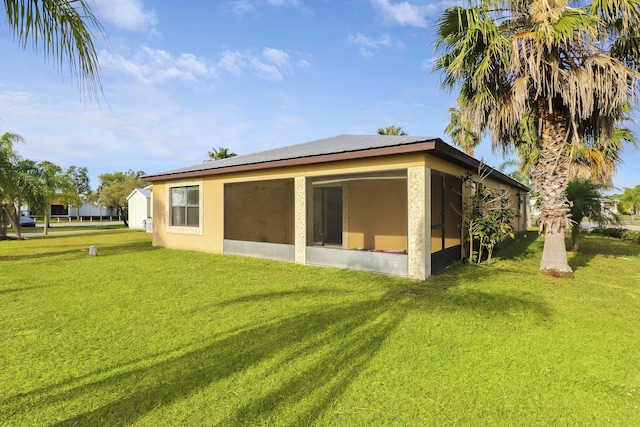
pixel 434 146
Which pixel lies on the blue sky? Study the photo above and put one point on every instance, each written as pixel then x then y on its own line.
pixel 180 78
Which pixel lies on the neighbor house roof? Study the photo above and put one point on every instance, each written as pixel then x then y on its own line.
pixel 342 147
pixel 144 192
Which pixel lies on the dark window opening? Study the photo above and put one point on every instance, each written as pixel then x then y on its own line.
pixel 327 216
pixel 59 210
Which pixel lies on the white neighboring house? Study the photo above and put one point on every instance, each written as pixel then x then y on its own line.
pixel 609 207
pixel 140 212
pixel 88 209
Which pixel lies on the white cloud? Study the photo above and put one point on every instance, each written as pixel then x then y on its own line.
pixel 148 131
pixel 242 7
pixel 265 70
pixel 271 64
pixel 128 14
pixel 276 56
pixel 158 66
pixel 368 46
pixel 406 13
pixel 232 62
pixel 150 65
pixel 281 3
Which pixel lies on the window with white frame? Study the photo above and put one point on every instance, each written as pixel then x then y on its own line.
pixel 185 206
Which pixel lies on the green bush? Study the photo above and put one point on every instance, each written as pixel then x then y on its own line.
pixel 609 232
pixel 631 236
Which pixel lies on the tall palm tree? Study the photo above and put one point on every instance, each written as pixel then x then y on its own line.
pixel 460 129
pixel 391 130
pixel 63 30
pixel 19 182
pixel 571 67
pixel 594 159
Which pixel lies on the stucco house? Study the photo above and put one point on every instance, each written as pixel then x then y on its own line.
pixel 139 207
pixel 387 204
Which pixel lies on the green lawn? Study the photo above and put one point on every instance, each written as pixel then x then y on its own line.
pixel 57 228
pixel 155 337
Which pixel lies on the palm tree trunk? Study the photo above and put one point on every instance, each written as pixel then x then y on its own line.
pixel 4 221
pixel 551 177
pixel 45 228
pixel 14 218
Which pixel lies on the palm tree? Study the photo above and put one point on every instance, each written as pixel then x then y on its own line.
pixel 460 129
pixel 391 130
pixel 572 69
pixel 8 161
pixel 52 181
pixel 629 200
pixel 585 197
pixel 220 153
pixel 63 30
pixel 19 183
pixel 598 160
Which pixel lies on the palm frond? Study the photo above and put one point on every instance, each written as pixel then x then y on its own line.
pixel 62 30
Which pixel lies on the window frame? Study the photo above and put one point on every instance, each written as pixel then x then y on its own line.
pixel 185 229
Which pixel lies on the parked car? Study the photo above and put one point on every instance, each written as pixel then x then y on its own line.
pixel 27 221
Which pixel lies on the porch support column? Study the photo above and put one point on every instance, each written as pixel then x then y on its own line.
pixel 419 222
pixel 300 210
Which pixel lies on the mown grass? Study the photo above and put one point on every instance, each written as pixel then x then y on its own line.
pixel 146 336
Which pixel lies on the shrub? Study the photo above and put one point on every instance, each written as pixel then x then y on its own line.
pixel 631 236
pixel 609 232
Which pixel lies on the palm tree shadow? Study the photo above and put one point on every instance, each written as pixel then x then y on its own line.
pixel 309 359
pixel 343 338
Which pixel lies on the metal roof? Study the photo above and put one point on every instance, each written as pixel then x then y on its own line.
pixel 143 191
pixel 331 149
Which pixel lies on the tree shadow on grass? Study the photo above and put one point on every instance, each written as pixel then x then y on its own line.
pixel 21 289
pixel 79 251
pixel 522 246
pixel 592 246
pixel 340 339
pixel 298 364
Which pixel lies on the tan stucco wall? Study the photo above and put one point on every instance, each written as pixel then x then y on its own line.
pixel 440 165
pixel 519 222
pixel 377 214
pixel 212 230
pixel 212 212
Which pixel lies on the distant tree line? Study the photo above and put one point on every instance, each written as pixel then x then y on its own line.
pixel 38 184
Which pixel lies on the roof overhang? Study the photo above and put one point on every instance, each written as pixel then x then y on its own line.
pixel 433 146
